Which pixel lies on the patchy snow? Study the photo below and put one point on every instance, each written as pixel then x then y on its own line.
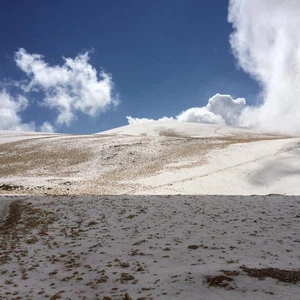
pixel 156 158
pixel 151 247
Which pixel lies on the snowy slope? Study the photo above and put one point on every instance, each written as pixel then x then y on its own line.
pixel 167 157
pixel 14 136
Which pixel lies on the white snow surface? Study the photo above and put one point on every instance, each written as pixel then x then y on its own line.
pixel 7 136
pixel 155 128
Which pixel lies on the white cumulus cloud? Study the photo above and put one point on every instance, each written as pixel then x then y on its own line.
pixel 200 115
pixel 72 87
pixel 220 109
pixel 266 43
pixel 47 127
pixel 10 109
pixel 132 121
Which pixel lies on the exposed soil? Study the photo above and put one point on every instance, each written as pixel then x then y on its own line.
pixel 22 219
pixel 286 276
pixel 225 281
pixel 219 281
pixel 13 217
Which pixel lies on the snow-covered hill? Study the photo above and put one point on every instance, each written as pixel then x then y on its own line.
pixel 181 129
pixel 167 157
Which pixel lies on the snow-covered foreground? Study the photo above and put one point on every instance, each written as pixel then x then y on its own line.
pixel 167 157
pixel 150 247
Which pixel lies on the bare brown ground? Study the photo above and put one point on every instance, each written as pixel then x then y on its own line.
pixel 286 276
pixel 227 280
pixel 23 157
pixel 219 281
pixel 22 218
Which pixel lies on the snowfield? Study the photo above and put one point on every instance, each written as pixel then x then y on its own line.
pixel 163 210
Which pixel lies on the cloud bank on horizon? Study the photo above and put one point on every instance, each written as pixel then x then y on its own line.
pixel 68 89
pixel 221 109
pixel 266 44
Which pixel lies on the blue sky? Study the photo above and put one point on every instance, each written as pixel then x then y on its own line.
pixel 164 56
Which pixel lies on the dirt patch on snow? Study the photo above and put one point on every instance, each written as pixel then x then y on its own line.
pixel 286 276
